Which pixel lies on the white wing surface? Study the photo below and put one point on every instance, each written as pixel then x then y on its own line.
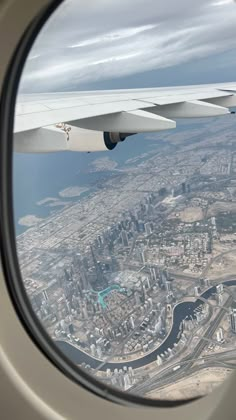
pixel 98 120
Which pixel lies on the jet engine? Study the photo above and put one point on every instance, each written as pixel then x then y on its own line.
pixel 62 137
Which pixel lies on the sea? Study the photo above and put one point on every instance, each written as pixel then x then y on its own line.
pixel 39 176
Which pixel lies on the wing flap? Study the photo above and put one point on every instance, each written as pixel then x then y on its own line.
pixel 191 109
pixel 225 101
pixel 137 121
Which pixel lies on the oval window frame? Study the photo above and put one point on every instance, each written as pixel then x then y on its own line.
pixel 11 268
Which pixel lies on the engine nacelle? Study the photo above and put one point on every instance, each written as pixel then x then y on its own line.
pixel 62 137
pixel 111 139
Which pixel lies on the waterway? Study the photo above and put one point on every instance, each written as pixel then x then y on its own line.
pixel 181 311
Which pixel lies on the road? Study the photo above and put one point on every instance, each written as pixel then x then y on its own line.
pixel 167 376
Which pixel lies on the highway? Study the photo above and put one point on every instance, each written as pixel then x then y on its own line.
pixel 79 356
pixel 168 375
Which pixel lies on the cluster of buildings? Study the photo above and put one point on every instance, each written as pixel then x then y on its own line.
pixel 98 273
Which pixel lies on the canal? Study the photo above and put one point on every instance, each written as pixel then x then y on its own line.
pixel 181 311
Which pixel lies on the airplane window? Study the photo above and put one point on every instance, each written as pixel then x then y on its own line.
pixel 124 190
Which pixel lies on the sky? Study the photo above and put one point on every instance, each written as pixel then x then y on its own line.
pixel 133 43
pixel 108 44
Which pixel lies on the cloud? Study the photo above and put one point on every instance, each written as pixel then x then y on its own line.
pixel 114 36
pixel 89 41
pixel 221 2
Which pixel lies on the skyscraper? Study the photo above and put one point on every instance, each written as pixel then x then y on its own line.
pixel 233 320
pixel 148 228
pixel 168 286
pixel 124 238
pixel 137 298
pixel 84 279
pixel 132 322
pixel 219 288
pixel 143 257
pixel 98 270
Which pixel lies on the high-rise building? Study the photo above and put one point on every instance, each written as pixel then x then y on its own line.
pixel 143 257
pixel 136 214
pixel 148 284
pixel 169 297
pixel 131 373
pixel 127 381
pixel 133 226
pixel 84 279
pixel 159 360
pixel 219 298
pixel 206 283
pixel 150 302
pixel 124 238
pixel 99 240
pixel 45 295
pixel 85 263
pixel 201 281
pixel 132 322
pixel 68 306
pixel 153 275
pixel 93 349
pixel 163 277
pixel 169 310
pixel 97 266
pixel 219 288
pixel 143 291
pixel 233 320
pixel 148 228
pixel 67 275
pixel 71 329
pixel 168 286
pixel 151 210
pixel 141 227
pixel 85 312
pixel 137 298
pixel 219 335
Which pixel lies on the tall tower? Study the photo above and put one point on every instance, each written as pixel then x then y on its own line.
pixel 81 266
pixel 98 270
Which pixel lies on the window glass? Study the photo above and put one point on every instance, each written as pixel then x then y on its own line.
pixel 128 255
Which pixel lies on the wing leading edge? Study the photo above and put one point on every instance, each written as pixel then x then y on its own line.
pixel 60 121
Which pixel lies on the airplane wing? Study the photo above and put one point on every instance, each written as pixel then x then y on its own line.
pixel 98 120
